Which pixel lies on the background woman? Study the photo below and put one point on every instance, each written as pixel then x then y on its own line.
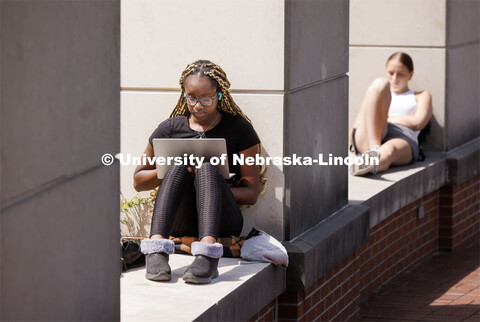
pixel 390 118
pixel 199 202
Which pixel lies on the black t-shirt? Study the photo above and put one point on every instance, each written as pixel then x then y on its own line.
pixel 237 132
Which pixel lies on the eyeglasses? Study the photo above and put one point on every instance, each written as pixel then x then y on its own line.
pixel 204 101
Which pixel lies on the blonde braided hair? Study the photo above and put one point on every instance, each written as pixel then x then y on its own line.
pixel 219 79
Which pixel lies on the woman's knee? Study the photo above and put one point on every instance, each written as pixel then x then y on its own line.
pixel 207 168
pixel 175 173
pixel 209 177
pixel 178 169
pixel 397 151
pixel 379 85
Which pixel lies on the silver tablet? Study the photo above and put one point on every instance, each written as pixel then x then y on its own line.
pixel 192 152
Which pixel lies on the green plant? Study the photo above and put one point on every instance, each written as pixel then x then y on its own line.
pixel 136 215
pixel 126 205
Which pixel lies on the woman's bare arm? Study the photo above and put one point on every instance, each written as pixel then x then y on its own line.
pixel 145 175
pixel 421 117
pixel 247 192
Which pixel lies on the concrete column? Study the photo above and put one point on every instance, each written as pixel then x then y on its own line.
pixel 286 61
pixel 442 36
pixel 59 205
pixel 463 72
pixel 315 109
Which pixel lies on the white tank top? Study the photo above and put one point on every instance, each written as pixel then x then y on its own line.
pixel 403 104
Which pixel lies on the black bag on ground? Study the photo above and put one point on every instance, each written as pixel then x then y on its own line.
pixel 422 137
pixel 131 255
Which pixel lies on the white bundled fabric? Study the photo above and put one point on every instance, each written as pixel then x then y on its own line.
pixel 264 248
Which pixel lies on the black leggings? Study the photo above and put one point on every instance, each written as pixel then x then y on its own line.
pixel 200 206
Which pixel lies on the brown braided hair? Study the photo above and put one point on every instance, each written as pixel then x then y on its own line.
pixel 218 77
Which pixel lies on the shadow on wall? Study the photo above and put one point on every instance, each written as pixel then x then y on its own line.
pixel 431 142
pixel 267 213
pixel 136 216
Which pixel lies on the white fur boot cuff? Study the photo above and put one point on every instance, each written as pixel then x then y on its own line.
pixel 210 250
pixel 150 246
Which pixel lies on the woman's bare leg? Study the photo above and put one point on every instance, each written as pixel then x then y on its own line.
pixel 394 152
pixel 371 120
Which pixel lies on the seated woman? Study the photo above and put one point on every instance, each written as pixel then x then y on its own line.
pixel 199 202
pixel 390 119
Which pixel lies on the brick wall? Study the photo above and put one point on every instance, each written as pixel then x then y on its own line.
pixel 334 297
pixel 268 313
pixel 450 220
pixel 459 215
pixel 399 242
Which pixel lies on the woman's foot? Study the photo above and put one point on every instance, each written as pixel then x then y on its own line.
pixel 202 270
pixel 204 267
pixel 368 166
pixel 156 258
pixel 157 267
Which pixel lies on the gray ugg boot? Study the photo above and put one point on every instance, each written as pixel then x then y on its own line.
pixel 204 267
pixel 156 258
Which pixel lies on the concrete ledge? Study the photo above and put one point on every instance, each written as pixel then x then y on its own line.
pixel 389 191
pixel 326 245
pixel 249 297
pixel 372 199
pixel 463 162
pixel 242 289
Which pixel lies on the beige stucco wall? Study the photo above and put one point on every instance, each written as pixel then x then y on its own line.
pixel 367 63
pixel 159 38
pixel 287 62
pixel 442 36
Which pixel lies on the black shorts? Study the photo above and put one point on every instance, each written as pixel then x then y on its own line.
pixel 395 131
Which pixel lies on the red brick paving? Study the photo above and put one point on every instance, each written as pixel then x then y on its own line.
pixel 446 288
